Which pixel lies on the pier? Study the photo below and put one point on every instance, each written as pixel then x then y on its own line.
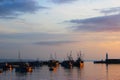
pixel 108 61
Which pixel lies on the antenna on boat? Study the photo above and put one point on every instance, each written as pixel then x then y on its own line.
pixel 70 57
pixel 80 54
pixel 51 57
pixel 19 56
pixel 55 56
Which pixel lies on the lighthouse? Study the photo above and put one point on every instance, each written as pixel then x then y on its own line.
pixel 106 56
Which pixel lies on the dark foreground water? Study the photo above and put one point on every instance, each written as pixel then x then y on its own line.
pixel 90 71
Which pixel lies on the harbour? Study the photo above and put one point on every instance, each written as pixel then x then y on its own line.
pixel 53 69
pixel 23 66
pixel 59 39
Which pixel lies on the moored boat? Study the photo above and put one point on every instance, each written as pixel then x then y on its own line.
pixel 52 63
pixel 22 68
pixel 68 63
pixel 79 62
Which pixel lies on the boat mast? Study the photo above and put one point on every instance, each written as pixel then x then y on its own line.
pixel 51 57
pixel 55 56
pixel 19 56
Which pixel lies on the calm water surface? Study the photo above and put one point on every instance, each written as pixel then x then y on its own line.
pixel 90 71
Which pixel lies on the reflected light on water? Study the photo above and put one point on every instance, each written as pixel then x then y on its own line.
pixel 89 71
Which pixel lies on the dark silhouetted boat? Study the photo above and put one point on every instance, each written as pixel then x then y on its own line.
pixel 23 67
pixel 5 66
pixel 68 63
pixel 53 64
pixel 79 62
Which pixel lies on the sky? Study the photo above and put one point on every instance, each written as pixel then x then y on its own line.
pixel 40 28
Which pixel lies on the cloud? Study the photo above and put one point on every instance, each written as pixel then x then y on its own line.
pixel 62 1
pixel 97 24
pixel 36 38
pixel 110 10
pixel 13 8
pixel 53 42
pixel 29 36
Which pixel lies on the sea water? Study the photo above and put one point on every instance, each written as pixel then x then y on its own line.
pixel 89 71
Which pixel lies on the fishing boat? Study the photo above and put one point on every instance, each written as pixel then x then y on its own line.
pixel 68 63
pixel 23 67
pixel 53 63
pixel 79 62
pixel 5 66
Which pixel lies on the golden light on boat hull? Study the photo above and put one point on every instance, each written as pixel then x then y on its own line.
pixel 81 65
pixel 29 69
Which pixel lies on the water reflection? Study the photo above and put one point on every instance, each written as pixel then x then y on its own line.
pixel 69 74
pixel 90 71
pixel 112 72
pixel 107 77
pixel 51 76
pixel 20 74
pixel 79 73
